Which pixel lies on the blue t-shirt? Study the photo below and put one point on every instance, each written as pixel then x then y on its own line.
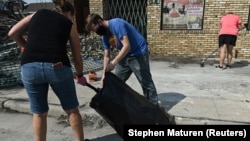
pixel 119 28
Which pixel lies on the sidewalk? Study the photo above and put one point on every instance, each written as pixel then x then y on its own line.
pixel 193 94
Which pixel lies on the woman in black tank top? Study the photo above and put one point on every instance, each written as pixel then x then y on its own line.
pixel 45 63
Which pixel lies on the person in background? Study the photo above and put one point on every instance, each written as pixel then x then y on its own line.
pixel 45 63
pixel 230 25
pixel 133 55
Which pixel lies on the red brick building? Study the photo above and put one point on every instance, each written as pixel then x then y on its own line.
pixel 181 40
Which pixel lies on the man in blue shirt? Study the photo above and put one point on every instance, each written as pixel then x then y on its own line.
pixel 133 52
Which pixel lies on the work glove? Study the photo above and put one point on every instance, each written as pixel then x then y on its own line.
pixel 81 80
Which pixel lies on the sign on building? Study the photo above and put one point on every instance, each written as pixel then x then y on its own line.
pixel 182 14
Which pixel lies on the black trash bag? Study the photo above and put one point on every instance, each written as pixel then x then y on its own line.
pixel 120 105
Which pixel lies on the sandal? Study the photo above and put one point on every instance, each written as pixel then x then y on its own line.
pixel 228 66
pixel 221 67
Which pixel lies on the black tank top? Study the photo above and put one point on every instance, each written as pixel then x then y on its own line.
pixel 48 34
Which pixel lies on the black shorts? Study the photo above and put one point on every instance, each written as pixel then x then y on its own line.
pixel 227 39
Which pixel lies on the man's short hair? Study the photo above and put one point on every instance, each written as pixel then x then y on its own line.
pixel 92 19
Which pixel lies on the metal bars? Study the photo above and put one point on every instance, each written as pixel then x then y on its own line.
pixel 133 11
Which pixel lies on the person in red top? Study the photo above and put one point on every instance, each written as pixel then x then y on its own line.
pixel 230 26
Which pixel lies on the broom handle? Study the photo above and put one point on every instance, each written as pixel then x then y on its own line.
pixel 211 54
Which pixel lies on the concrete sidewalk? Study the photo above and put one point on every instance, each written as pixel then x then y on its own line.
pixel 193 94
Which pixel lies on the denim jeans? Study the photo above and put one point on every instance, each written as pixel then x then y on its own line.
pixel 38 76
pixel 139 65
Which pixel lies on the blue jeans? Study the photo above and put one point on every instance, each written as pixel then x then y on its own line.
pixel 38 76
pixel 140 66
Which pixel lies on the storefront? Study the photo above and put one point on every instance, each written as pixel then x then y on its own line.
pixel 185 28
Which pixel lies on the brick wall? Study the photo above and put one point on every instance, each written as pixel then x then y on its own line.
pixel 192 43
pixel 95 6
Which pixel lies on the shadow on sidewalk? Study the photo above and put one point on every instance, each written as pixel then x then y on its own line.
pixel 168 100
pixel 239 64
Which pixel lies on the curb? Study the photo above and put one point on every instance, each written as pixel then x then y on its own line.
pixel 23 106
pixel 2 101
pixel 91 117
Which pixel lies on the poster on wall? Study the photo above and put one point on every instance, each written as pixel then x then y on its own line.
pixel 182 14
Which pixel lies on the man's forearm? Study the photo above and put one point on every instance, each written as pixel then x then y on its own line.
pixel 124 51
pixel 105 63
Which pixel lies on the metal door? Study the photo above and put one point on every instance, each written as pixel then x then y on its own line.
pixel 133 11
